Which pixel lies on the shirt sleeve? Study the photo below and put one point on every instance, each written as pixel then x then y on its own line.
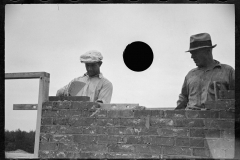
pixel 183 96
pixel 105 93
pixel 232 79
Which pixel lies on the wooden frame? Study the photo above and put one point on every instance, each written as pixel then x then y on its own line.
pixel 44 80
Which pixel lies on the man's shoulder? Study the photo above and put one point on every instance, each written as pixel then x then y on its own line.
pixel 105 80
pixel 226 66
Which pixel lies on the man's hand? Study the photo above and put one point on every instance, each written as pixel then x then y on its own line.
pixel 182 105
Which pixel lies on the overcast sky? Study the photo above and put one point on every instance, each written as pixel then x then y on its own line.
pixel 52 37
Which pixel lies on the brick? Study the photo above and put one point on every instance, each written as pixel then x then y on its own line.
pixel 202 114
pixel 84 105
pixel 93 148
pixel 157 113
pixel 47 105
pixel 196 142
pixel 206 133
pixel 148 149
pixel 101 114
pixel 69 113
pixel 89 130
pixel 62 138
pixel 88 113
pixel 227 115
pixel 201 152
pixel 46 121
pixel 220 105
pixel 62 105
pixel 49 113
pixel 148 156
pixel 141 113
pixel 177 151
pixel 189 123
pixel 165 141
pixel 60 154
pixel 112 155
pixel 89 155
pixel 77 121
pixel 60 121
pixel 46 154
pixel 69 130
pixel 121 148
pixel 133 139
pixel 101 130
pixel 219 124
pixel 108 121
pixel 146 131
pixel 133 122
pixel 229 94
pixel 45 137
pixel 69 98
pixel 48 129
pixel 83 139
pixel 48 146
pixel 185 142
pixel 172 132
pixel 174 114
pixel 159 122
pixel 109 139
pixel 220 143
pixel 229 134
pixel 68 147
pixel 120 113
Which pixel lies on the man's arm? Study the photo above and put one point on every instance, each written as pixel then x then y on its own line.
pixel 64 91
pixel 183 97
pixel 105 93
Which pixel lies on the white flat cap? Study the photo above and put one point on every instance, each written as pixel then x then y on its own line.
pixel 92 56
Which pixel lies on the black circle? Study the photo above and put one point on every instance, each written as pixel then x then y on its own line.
pixel 138 56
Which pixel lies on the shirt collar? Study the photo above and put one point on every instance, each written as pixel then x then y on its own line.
pixel 98 75
pixel 217 64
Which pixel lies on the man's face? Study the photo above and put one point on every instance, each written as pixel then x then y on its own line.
pixel 93 68
pixel 200 57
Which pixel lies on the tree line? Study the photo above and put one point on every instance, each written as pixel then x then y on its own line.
pixel 19 140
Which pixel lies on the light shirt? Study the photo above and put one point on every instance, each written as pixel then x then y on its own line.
pixel 198 85
pixel 98 88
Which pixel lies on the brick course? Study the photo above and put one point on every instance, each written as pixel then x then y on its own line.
pixel 69 131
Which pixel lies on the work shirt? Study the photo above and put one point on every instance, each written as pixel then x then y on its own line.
pixel 198 86
pixel 98 88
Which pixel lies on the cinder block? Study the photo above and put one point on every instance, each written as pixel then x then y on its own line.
pixel 174 114
pixel 129 148
pixel 172 132
pixel 177 150
pixel 185 142
pixel 48 146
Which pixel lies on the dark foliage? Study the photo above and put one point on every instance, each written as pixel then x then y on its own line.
pixel 19 140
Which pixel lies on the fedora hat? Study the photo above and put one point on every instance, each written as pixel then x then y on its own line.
pixel 201 40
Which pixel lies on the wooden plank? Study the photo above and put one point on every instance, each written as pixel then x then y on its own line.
pixel 26 75
pixel 42 97
pixel 69 98
pixel 25 106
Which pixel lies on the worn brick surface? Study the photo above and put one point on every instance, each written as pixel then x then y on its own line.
pixel 69 130
pixel 171 132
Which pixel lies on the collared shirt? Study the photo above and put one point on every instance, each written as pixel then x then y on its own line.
pixel 98 88
pixel 198 86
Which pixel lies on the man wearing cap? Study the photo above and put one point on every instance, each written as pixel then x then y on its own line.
pixel 92 83
pixel 198 86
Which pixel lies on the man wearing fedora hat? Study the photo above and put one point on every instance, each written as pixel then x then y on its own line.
pixel 198 86
pixel 92 83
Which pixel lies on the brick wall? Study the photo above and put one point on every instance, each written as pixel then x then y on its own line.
pixel 69 131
